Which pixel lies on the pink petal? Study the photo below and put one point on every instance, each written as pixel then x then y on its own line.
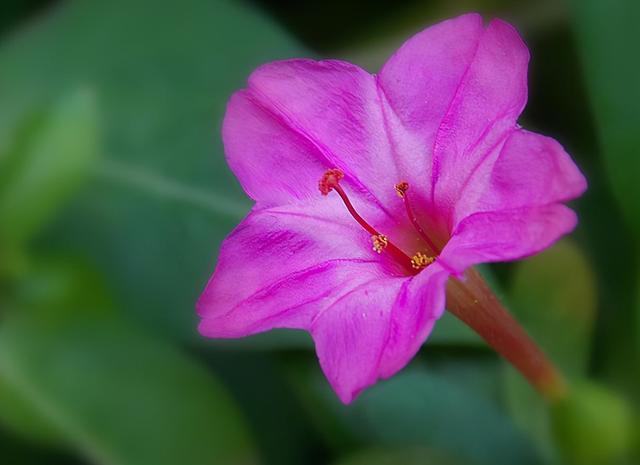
pixel 506 235
pixel 421 77
pixel 413 316
pixel 340 111
pixel 278 265
pixel 372 331
pixel 461 87
pixel 527 170
pixel 273 162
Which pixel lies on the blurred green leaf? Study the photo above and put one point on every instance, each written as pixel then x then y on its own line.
pixel 607 40
pixel 61 284
pixel 593 426
pixel 18 452
pixel 416 408
pixel 18 414
pixel 637 329
pixel 283 433
pixel 277 339
pixel 117 394
pixel 50 156
pixel 403 456
pixel 161 198
pixel 531 413
pixel 451 331
pixel 553 295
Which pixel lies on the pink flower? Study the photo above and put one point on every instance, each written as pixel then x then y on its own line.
pixel 423 172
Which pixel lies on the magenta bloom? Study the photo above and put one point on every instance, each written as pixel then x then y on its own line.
pixel 424 172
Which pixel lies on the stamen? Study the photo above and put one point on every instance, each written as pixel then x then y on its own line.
pixel 380 242
pixel 402 190
pixel 331 181
pixel 420 261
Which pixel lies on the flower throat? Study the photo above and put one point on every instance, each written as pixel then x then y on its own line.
pixel 330 180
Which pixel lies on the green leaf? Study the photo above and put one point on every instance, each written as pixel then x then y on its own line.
pixel 451 331
pixel 162 197
pixel 594 426
pixel 637 329
pixel 18 414
pixel 403 456
pixel 607 40
pixel 18 452
pixel 417 408
pixel 49 157
pixel 554 296
pixel 62 284
pixel 117 394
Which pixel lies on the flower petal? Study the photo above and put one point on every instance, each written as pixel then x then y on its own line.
pixel 279 264
pixel 462 88
pixel 373 330
pixel 337 108
pixel 506 235
pixel 527 170
pixel 421 78
pixel 274 164
pixel 412 318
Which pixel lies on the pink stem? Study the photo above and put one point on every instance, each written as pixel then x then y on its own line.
pixel 475 304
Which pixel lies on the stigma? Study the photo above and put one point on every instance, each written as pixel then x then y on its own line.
pixel 330 181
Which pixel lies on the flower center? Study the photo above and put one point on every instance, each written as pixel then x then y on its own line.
pixel 330 181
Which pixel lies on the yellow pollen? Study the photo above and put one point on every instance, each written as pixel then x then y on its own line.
pixel 380 242
pixel 420 260
pixel 401 188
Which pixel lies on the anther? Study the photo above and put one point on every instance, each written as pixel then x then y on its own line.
pixel 420 261
pixel 402 188
pixel 380 242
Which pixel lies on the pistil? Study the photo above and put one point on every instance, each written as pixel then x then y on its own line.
pixel 402 191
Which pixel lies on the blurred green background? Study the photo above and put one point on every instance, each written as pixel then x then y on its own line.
pixel 114 197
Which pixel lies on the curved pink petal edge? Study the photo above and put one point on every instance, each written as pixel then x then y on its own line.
pixel 442 115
